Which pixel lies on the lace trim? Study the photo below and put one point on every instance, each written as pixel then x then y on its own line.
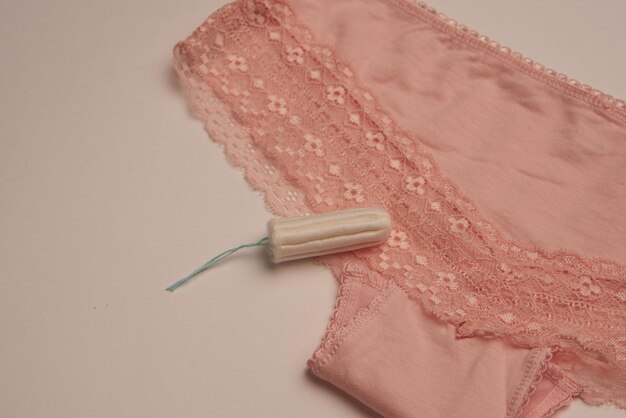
pixel 326 349
pixel 337 333
pixel 536 366
pixel 613 106
pixel 314 137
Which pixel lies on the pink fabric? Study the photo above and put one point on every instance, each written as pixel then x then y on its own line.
pixel 400 361
pixel 540 156
pixel 546 166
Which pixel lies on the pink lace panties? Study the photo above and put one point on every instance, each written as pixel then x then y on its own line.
pixel 328 105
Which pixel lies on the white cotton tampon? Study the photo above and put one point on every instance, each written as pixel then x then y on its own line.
pixel 314 235
pixel 327 233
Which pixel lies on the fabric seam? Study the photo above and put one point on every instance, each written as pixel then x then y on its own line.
pixel 590 96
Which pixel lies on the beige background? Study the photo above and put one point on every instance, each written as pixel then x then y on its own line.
pixel 109 191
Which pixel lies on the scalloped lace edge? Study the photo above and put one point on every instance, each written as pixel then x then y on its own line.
pixel 338 330
pixel 251 173
pixel 594 97
pixel 337 333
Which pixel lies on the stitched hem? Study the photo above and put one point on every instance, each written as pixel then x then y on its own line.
pixel 593 97
pixel 536 366
pixel 339 332
pixel 561 394
pixel 571 389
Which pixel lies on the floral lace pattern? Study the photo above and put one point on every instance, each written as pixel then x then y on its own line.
pixel 311 124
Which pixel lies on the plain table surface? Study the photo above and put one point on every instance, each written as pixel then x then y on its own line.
pixel 110 190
